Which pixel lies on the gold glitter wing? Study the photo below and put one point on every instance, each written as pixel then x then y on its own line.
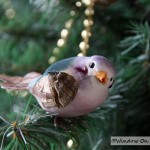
pixel 56 89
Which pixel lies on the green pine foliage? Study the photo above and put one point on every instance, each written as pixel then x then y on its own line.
pixel 29 31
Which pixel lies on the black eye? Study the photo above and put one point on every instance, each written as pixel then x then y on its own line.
pixel 91 65
pixel 111 79
pixel 110 86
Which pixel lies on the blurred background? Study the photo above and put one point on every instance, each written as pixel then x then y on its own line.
pixel 29 35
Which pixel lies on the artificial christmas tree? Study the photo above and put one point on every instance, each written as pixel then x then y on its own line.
pixel 31 35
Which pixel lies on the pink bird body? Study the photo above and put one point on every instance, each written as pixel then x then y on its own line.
pixel 84 101
pixel 71 87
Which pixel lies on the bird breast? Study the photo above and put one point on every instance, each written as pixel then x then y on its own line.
pixel 91 94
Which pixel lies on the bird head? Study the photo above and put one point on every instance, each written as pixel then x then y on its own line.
pixel 103 70
pixel 99 67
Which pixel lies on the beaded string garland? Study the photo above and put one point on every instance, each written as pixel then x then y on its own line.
pixel 85 34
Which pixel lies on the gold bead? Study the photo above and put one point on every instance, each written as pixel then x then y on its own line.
pixel 91 22
pixel 80 54
pixel 10 13
pixel 64 33
pixel 70 143
pixel 86 23
pixel 87 2
pixel 69 24
pixel 52 59
pixel 78 4
pixel 60 42
pixel 87 46
pixel 89 12
pixel 89 34
pixel 83 46
pixel 84 34
pixel 72 13
pixel 56 50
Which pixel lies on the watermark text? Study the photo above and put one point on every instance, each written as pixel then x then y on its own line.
pixel 130 140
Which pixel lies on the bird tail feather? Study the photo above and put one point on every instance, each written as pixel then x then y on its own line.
pixel 17 82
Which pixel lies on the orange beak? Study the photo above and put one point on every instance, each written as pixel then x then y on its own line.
pixel 102 76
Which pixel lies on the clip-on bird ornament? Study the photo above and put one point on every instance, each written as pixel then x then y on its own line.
pixel 70 87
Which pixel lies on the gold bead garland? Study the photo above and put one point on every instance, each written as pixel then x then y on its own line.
pixel 63 39
pixel 85 34
pixel 88 22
